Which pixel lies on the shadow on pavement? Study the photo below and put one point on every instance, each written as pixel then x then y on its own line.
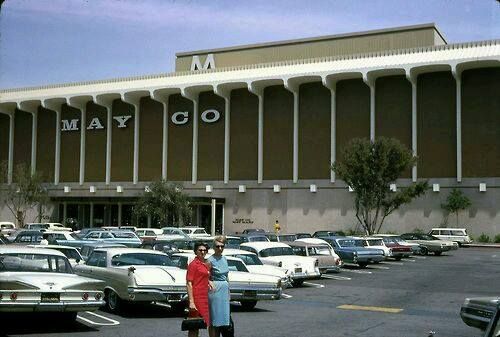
pixel 38 323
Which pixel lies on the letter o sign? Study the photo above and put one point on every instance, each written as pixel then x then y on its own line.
pixel 180 117
pixel 210 116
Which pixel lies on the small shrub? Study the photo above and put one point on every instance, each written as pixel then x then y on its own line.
pixel 497 238
pixel 483 238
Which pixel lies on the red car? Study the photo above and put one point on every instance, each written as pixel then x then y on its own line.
pixel 398 251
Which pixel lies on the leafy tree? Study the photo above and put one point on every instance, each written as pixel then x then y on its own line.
pixel 455 202
pixel 25 193
pixel 369 168
pixel 165 201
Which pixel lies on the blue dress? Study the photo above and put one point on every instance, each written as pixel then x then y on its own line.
pixel 218 299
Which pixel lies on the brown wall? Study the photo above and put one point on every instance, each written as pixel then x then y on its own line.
pixel 4 144
pixel 393 110
pixel 243 152
pixel 150 140
pixel 70 147
pixel 436 115
pixel 180 141
pixel 314 131
pixel 122 144
pixel 352 112
pixel 22 138
pixel 46 144
pixel 211 139
pixel 95 145
pixel 278 133
pixel 481 122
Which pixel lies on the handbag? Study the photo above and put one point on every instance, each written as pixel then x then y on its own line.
pixel 228 330
pixel 193 322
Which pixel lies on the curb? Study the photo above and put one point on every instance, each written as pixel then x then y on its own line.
pixel 486 245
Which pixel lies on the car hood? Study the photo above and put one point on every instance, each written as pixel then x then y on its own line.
pixel 267 270
pixel 291 261
pixel 50 281
pixel 437 243
pixel 251 278
pixel 158 275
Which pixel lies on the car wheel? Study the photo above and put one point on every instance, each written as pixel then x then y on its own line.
pixel 424 251
pixel 113 301
pixel 248 305
pixel 362 264
pixel 437 253
pixel 297 283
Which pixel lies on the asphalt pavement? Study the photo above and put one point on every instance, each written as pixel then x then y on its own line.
pixel 415 297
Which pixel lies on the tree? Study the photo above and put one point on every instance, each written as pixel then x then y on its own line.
pixel 369 168
pixel 163 202
pixel 455 202
pixel 25 193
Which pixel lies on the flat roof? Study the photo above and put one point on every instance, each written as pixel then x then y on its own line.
pixel 314 39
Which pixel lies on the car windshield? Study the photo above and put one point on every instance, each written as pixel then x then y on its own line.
pixel 141 259
pixel 276 251
pixel 186 231
pixel 372 242
pixel 319 250
pixel 200 231
pixel 257 238
pixel 287 237
pixel 350 243
pixel 426 237
pixel 391 240
pixel 249 259
pixel 43 263
pixel 70 253
pixel 124 235
pixel 235 265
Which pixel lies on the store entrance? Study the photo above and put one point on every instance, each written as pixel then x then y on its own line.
pixel 202 217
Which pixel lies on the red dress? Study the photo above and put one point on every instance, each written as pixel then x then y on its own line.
pixel 198 273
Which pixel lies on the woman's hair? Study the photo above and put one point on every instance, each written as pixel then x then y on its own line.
pixel 198 245
pixel 220 238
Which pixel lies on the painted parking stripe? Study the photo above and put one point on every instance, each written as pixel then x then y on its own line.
pixel 106 319
pixel 420 257
pixel 394 263
pixel 335 277
pixel 356 271
pixel 314 284
pixel 286 295
pixel 368 308
pixel 410 260
pixel 378 267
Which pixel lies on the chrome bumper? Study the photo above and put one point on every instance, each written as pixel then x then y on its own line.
pixel 36 306
pixel 157 295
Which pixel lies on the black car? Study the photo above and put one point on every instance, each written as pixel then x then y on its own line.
pixel 28 237
pixel 3 240
pixel 303 235
pixel 322 234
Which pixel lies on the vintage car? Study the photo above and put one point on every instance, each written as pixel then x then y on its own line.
pixel 280 254
pixel 353 251
pixel 326 233
pixel 391 250
pixel 174 233
pixel 42 226
pixel 303 235
pixel 88 248
pixel 27 237
pixel 431 244
pixel 7 228
pixel 245 287
pixel 73 254
pixel 253 237
pixel 458 235
pixel 328 260
pixel 127 238
pixel 478 311
pixel 415 247
pixel 135 275
pixel 255 265
pixel 281 237
pixel 398 251
pixel 42 280
pixel 3 240
pixel 372 242
pixel 195 232
pixel 493 329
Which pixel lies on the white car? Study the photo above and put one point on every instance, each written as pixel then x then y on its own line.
pixel 42 280
pixel 321 241
pixel 245 286
pixel 374 242
pixel 280 254
pixel 415 247
pixel 43 226
pixel 255 265
pixel 458 235
pixel 195 232
pixel 7 228
pixel 73 254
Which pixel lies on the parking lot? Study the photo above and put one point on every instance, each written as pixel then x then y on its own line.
pixel 408 298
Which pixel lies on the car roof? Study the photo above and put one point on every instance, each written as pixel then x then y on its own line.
pixel 124 250
pixel 259 245
pixel 230 251
pixel 102 244
pixel 312 240
pixel 28 250
pixel 52 247
pixel 306 244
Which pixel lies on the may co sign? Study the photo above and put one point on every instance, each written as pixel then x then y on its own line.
pixel 207 116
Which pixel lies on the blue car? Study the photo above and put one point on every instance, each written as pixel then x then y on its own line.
pixel 127 238
pixel 351 250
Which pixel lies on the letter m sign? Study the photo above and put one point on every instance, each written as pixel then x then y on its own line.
pixel 209 63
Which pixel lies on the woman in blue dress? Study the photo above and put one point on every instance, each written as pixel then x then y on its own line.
pixel 218 297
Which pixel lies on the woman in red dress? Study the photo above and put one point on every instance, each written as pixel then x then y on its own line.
pixel 197 279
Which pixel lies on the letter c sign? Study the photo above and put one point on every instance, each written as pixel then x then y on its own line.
pixel 180 117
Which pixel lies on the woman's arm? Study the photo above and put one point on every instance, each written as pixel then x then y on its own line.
pixel 189 287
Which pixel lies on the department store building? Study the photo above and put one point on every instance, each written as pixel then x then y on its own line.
pixel 251 131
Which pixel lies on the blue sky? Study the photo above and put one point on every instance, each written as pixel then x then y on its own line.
pixel 59 41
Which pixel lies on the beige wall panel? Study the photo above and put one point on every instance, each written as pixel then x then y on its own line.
pixel 95 144
pixel 211 139
pixel 122 145
pixel 311 49
pixel 436 115
pixel 243 155
pixel 353 112
pixel 481 122
pixel 278 133
pixel 314 131
pixel 4 144
pixel 393 110
pixel 70 147
pixel 180 141
pixel 22 138
pixel 151 140
pixel 46 144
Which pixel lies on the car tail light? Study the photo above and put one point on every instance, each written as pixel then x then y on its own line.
pixel 337 262
pixel 98 296
pixel 85 296
pixel 316 263
pixel 1 297
pixel 13 296
pixel 280 264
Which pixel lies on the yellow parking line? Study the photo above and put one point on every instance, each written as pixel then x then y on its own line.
pixel 366 308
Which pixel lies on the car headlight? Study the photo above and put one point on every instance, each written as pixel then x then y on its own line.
pixel 355 253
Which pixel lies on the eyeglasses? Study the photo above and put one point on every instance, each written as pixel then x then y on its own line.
pixel 202 250
pixel 219 246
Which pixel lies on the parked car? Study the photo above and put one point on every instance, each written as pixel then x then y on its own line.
pixel 42 280
pixel 54 226
pixel 493 329
pixel 233 241
pixel 281 237
pixel 328 260
pixel 173 233
pixel 432 244
pixel 27 237
pixel 148 234
pixel 135 275
pixel 127 238
pixel 89 247
pixel 416 249
pixel 7 228
pixel 253 237
pixel 325 233
pixel 245 287
pixel 279 254
pixel 195 232
pixel 253 230
pixel 458 235
pixel 303 235
pixel 398 250
pixel 3 240
pixel 478 311
pixel 373 242
pixel 73 254
pixel 353 251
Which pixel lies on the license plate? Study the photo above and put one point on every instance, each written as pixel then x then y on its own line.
pixel 50 297
pixel 298 270
pixel 250 293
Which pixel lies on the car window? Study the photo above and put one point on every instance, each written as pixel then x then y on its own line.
pixel 92 235
pixel 445 232
pixel 35 263
pixel 180 261
pixel 458 233
pixel 106 235
pixel 235 265
pixel 319 250
pixel 187 231
pixel 276 251
pixel 259 238
pixel 299 251
pixel 249 249
pixel 375 242
pixel 272 238
pixel 97 259
pixel 249 259
pixel 141 259
pixel 123 235
pixel 200 231
pixel 70 253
